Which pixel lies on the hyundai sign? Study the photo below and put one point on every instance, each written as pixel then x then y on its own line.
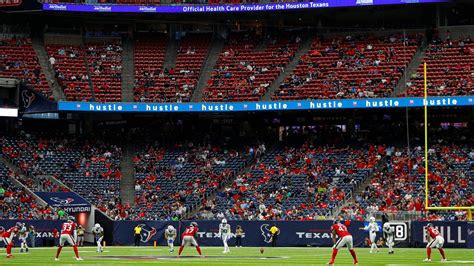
pixel 70 202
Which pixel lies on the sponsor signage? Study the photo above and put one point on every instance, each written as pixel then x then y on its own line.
pixel 70 202
pixel 454 233
pixel 43 230
pixel 228 8
pixel 470 235
pixel 257 233
pixel 203 107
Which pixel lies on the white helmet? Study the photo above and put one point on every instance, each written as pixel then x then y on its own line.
pixel 97 225
pixel 170 227
pixel 386 226
pixel 224 221
pixel 372 219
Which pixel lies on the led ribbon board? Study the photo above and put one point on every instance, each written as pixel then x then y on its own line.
pixel 228 8
pixel 203 107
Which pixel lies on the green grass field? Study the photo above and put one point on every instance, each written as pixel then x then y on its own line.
pixel 287 256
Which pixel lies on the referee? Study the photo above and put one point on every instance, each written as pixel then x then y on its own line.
pixel 275 231
pixel 137 232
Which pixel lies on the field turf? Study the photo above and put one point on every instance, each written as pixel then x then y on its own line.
pixel 238 256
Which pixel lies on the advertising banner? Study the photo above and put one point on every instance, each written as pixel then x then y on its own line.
pixel 70 202
pixel 470 235
pixel 43 228
pixel 447 101
pixel 256 233
pixel 454 233
pixel 193 8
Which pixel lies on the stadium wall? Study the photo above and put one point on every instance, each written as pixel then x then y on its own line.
pixel 293 233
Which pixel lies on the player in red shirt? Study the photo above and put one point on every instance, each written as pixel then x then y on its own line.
pixel 189 237
pixel 435 240
pixel 68 234
pixel 8 236
pixel 345 239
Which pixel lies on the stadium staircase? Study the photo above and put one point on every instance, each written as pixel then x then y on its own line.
pixel 223 185
pixel 171 53
pixel 88 69
pixel 207 69
pixel 303 49
pixel 47 69
pixel 127 182
pixel 410 70
pixel 23 174
pixel 358 189
pixel 128 66
pixel 17 183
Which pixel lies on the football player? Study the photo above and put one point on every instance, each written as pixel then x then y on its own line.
pixel 345 239
pixel 224 234
pixel 373 228
pixel 23 235
pixel 68 234
pixel 435 240
pixel 170 236
pixel 189 237
pixel 388 232
pixel 98 232
pixel 8 236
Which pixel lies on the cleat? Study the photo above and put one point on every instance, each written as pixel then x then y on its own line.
pixel 56 259
pixel 201 256
pixel 9 256
pixel 370 252
pixel 21 250
pixel 444 260
pixel 330 263
pixel 79 258
pixel 427 260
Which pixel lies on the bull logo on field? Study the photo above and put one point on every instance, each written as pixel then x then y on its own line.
pixel 267 236
pixel 62 201
pixel 147 232
pixel 28 98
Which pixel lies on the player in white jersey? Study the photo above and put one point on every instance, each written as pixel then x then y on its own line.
pixel 373 228
pixel 98 232
pixel 388 232
pixel 170 236
pixel 22 237
pixel 225 233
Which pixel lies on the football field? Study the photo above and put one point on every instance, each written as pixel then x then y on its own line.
pixel 238 256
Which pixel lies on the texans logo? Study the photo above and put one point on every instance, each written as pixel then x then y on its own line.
pixel 147 233
pixel 470 232
pixel 62 201
pixel 267 236
pixel 28 98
